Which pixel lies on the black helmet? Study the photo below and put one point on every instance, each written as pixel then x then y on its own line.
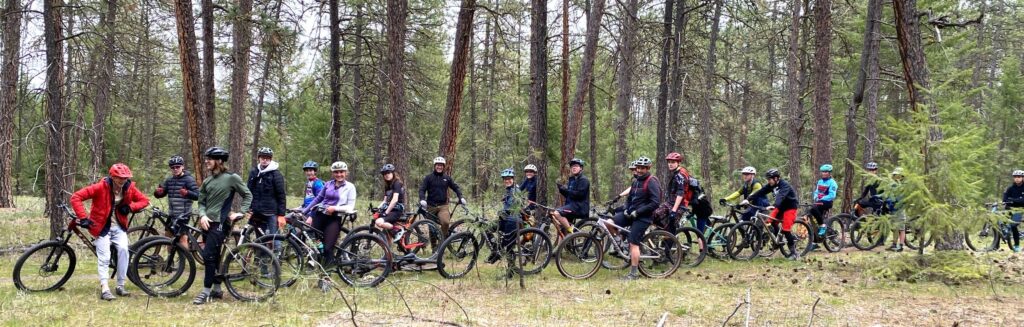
pixel 388 168
pixel 265 152
pixel 310 165
pixel 176 161
pixel 217 153
pixel 772 173
pixel 576 161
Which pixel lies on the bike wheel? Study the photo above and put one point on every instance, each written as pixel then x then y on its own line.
pixel 692 247
pixel 457 255
pixel 579 255
pixel 364 260
pixel 532 251
pixel 657 260
pixel 983 239
pixel 718 241
pixel 744 241
pixel 835 234
pixel 427 233
pixel 250 272
pixel 768 245
pixel 458 226
pixel 864 237
pixel 158 268
pixel 44 267
pixel 804 237
pixel 135 234
pixel 290 255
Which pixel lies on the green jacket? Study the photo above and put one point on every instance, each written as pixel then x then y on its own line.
pixel 217 194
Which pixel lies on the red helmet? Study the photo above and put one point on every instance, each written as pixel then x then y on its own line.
pixel 674 156
pixel 120 170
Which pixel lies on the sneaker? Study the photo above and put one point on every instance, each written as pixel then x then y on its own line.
pixel 121 292
pixel 202 298
pixel 399 234
pixel 493 258
pixel 813 247
pixel 893 248
pixel 106 296
pixel 899 249
pixel 1016 249
pixel 630 276
pixel 793 257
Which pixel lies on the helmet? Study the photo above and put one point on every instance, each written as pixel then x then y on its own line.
pixel 897 171
pixel 265 152
pixel 388 168
pixel 643 162
pixel 440 160
pixel 826 168
pixel 748 170
pixel 674 156
pixel 175 161
pixel 576 161
pixel 120 170
pixel 530 167
pixel 1018 172
pixel 310 165
pixel 217 153
pixel 871 165
pixel 339 165
pixel 632 165
pixel 508 173
pixel 772 173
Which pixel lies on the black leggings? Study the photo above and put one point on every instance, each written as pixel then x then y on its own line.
pixel 331 227
pixel 214 237
pixel 818 210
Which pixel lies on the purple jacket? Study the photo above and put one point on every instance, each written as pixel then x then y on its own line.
pixel 343 198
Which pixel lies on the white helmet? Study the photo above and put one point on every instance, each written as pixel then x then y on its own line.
pixel 748 170
pixel 339 165
pixel 1018 172
pixel 530 167
pixel 440 160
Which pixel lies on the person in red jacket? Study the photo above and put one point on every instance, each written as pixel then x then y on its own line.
pixel 113 199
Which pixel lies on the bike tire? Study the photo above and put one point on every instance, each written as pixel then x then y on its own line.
pixel 692 246
pixel 364 260
pixel 256 266
pixel 532 251
pixel 457 255
pixel 718 241
pixel 138 233
pixel 863 237
pixel 164 259
pixel 290 255
pixel 427 232
pixel 579 255
pixel 982 242
pixel 655 261
pixel 744 241
pixel 835 234
pixel 804 235
pixel 53 251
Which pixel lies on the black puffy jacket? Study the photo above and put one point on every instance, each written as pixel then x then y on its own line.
pixel 1014 196
pixel 434 189
pixel 577 194
pixel 178 204
pixel 267 187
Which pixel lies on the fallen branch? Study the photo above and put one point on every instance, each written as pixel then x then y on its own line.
pixel 464 313
pixel 344 298
pixel 814 307
pixel 661 322
pixel 737 309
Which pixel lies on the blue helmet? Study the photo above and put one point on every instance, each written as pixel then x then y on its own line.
pixel 508 173
pixel 826 168
pixel 310 165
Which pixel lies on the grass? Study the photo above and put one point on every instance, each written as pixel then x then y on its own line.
pixel 782 293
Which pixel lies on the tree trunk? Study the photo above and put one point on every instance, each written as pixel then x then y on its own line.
pixel 398 147
pixel 270 43
pixel 586 77
pixel 357 79
pixel 793 94
pixel 11 21
pixel 678 82
pixel 335 80
pixel 242 39
pixel 538 116
pixel 474 150
pixel 56 171
pixel 821 73
pixel 705 112
pixel 868 63
pixel 661 167
pixel 453 104
pixel 565 77
pixel 101 101
pixel 595 186
pixel 208 98
pixel 624 77
pixel 188 56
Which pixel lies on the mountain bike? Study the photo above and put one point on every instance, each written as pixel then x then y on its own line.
pixel 871 231
pixel 762 236
pixel 988 237
pixel 716 234
pixel 528 253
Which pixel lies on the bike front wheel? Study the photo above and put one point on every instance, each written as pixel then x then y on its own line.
pixel 579 255
pixel 364 260
pixel 44 267
pixel 835 234
pixel 251 272
pixel 692 247
pixel 158 267
pixel 656 259
pixel 457 255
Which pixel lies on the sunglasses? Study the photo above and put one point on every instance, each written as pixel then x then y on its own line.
pixel 177 167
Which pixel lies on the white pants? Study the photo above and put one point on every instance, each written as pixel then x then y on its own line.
pixel 102 243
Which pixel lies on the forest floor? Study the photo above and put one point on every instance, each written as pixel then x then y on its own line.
pixel 820 290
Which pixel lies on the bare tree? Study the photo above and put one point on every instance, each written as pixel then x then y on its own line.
pixel 335 80
pixel 796 115
pixel 821 74
pixel 456 83
pixel 208 98
pixel 56 171
pixel 709 88
pixel 663 85
pixel 101 101
pixel 11 22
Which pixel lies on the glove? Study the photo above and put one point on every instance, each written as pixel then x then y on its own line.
pixel 83 222
pixel 673 215
pixel 462 201
pixel 631 214
pixel 721 202
pixel 281 221
pixel 183 191
pixel 124 210
pixel 159 191
pixel 423 203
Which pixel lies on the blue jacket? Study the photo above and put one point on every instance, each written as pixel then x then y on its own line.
pixel 313 188
pixel 825 191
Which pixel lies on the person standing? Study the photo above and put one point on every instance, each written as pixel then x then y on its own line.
pixel 434 194
pixel 215 199
pixel 268 196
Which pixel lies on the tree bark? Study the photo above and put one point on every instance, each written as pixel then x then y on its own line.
pixel 208 98
pixel 335 80
pixel 242 39
pixel 624 77
pixel 188 56
pixel 705 112
pixel 868 63
pixel 583 83
pixel 538 116
pixel 101 101
pixel 56 171
pixel 565 75
pixel 661 167
pixel 793 94
pixel 357 79
pixel 456 83
pixel 11 21
pixel 398 145
pixel 821 73
pixel 678 82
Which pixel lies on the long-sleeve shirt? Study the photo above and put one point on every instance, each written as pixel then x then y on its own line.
pixel 530 186
pixel 172 186
pixel 644 195
pixel 785 196
pixel 745 192
pixel 313 188
pixel 217 194
pixel 342 197
pixel 1014 196
pixel 434 189
pixel 577 193
pixel 825 191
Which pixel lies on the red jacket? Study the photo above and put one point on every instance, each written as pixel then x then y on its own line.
pixel 102 196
